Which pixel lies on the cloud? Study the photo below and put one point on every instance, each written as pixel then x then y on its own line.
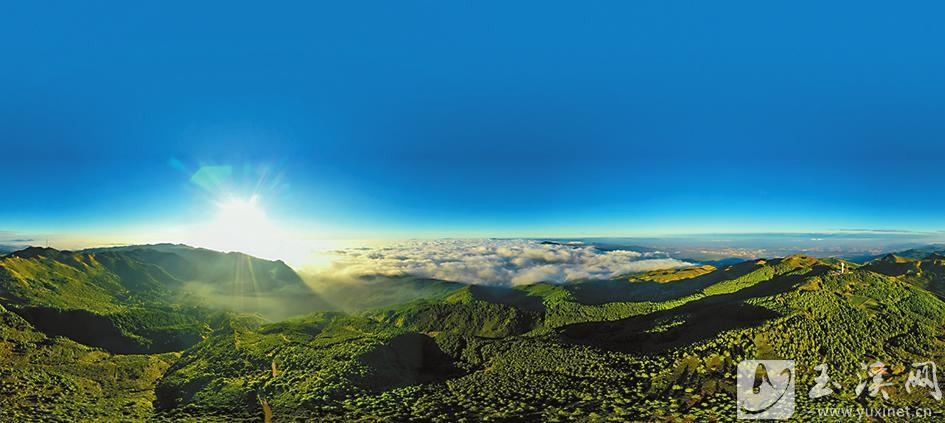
pixel 14 237
pixel 494 262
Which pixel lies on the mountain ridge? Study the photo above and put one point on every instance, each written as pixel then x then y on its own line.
pixel 148 300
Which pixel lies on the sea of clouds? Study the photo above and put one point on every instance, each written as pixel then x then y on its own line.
pixel 494 262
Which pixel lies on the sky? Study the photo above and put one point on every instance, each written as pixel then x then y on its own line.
pixel 131 122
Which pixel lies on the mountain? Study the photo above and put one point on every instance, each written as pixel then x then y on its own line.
pixel 144 299
pixel 927 272
pixel 922 252
pixel 652 346
pixel 220 271
pixel 5 249
pixel 645 347
pixel 912 253
pixel 370 292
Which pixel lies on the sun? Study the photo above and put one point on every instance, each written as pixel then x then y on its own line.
pixel 242 215
pixel 241 225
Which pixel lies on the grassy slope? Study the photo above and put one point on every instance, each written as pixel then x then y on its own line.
pixel 62 280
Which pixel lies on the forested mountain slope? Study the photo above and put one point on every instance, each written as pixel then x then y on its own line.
pixel 641 347
pixel 139 299
pixel 546 352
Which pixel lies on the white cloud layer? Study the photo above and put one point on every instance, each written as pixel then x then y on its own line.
pixel 494 262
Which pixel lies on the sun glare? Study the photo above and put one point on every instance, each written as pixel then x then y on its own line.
pixel 242 225
pixel 240 214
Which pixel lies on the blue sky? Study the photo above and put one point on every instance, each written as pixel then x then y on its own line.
pixel 424 119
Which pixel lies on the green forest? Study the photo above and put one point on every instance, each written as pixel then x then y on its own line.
pixel 173 333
